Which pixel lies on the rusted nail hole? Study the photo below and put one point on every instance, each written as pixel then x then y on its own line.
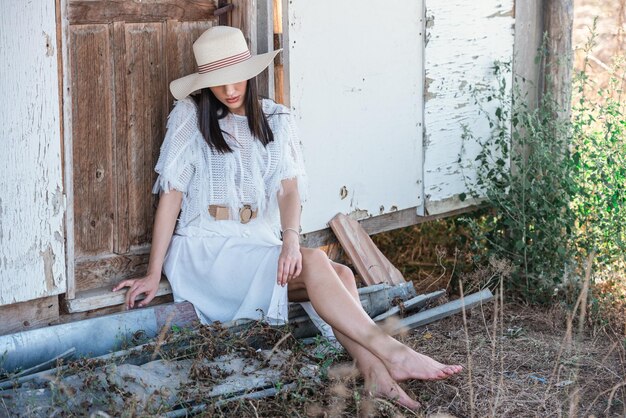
pixel 93 224
pixel 99 174
pixel 26 324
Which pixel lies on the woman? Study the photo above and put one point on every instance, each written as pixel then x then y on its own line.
pixel 231 166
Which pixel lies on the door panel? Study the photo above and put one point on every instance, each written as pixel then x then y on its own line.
pixel 123 56
pixel 92 88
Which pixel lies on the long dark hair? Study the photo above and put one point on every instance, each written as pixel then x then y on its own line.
pixel 210 110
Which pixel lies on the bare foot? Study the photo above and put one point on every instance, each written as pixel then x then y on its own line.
pixel 379 384
pixel 409 364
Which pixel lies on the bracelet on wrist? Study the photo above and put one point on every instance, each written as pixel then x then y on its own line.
pixel 282 233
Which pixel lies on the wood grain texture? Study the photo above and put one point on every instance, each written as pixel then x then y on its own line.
pixel 141 60
pixel 373 267
pixel 265 43
pixel 66 317
pixel 109 269
pixel 244 18
pixel 179 40
pixel 67 139
pixel 92 89
pixel 32 206
pixel 558 22
pixel 443 311
pixel 107 11
pixel 32 314
pixel 463 40
pixel 102 297
pixel 120 142
pixel 146 92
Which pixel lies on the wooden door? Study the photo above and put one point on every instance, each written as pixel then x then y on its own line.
pixel 122 57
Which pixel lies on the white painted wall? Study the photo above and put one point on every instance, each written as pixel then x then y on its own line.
pixel 463 40
pixel 356 88
pixel 32 258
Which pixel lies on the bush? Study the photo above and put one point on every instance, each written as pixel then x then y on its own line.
pixel 557 193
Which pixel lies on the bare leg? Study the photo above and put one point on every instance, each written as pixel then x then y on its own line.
pixel 378 382
pixel 338 308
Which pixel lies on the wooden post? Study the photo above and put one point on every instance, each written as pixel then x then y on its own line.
pixel 244 18
pixel 278 43
pixel 558 21
pixel 265 43
pixel 528 38
pixel 527 74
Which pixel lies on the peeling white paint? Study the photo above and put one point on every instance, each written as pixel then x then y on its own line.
pixel 356 88
pixel 464 40
pixel 31 197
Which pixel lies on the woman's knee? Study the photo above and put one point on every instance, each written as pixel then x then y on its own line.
pixel 346 275
pixel 314 258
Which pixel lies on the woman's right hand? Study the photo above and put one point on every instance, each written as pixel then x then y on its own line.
pixel 147 286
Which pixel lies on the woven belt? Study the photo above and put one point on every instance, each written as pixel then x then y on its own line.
pixel 222 213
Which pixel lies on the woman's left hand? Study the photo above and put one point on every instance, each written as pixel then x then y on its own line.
pixel 290 260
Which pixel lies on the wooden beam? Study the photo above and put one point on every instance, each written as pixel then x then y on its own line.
pixel 66 316
pixel 265 43
pixel 107 11
pixel 285 92
pixel 27 315
pixel 435 314
pixel 528 39
pixel 417 302
pixel 68 147
pixel 559 19
pixel 102 297
pixel 373 267
pixel 244 18
pixel 110 269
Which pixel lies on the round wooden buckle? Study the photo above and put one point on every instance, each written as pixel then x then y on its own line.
pixel 245 214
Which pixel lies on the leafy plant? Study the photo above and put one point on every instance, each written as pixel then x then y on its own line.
pixel 555 186
pixel 524 174
pixel 599 160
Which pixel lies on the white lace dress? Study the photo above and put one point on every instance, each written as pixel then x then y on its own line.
pixel 227 269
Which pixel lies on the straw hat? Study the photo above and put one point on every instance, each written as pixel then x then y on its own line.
pixel 223 57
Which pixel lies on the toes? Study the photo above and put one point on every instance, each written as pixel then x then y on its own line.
pixel 451 370
pixel 409 403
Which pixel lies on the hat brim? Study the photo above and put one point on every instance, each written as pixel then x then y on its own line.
pixel 184 86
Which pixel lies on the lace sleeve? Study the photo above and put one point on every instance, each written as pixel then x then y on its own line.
pixel 292 160
pixel 176 163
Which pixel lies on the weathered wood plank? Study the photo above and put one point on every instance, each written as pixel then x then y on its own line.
pixel 431 315
pixel 145 89
pixel 527 72
pixel 244 17
pixel 27 315
pixel 66 316
pixel 414 303
pixel 109 269
pixel 370 263
pixel 120 142
pixel 32 256
pixel 67 140
pixel 265 43
pixel 107 11
pixel 102 297
pixel 558 22
pixel 180 60
pixel 92 87
pixel 459 58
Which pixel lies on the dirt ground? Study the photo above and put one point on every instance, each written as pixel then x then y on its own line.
pixel 518 364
